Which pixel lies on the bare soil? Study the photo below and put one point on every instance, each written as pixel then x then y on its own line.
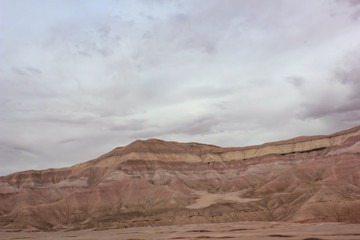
pixel 238 230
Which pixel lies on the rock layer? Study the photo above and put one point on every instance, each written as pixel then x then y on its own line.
pixel 154 182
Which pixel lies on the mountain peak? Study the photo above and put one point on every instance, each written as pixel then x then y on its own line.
pixel 154 140
pixel 150 140
pixel 170 151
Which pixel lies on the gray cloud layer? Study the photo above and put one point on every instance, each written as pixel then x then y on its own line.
pixel 80 78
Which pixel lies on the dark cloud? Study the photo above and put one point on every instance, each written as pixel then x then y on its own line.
pixel 34 71
pixel 352 3
pixel 342 101
pixel 349 74
pixel 147 35
pixel 104 31
pixel 200 126
pixel 28 71
pixel 70 140
pixel 19 71
pixel 296 81
pixel 15 157
pixel 17 148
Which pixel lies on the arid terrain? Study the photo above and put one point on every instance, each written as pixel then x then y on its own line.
pixel 152 189
pixel 212 231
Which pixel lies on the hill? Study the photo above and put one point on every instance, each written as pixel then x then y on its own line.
pixel 155 182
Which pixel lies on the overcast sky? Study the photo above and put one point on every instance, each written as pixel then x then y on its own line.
pixel 79 78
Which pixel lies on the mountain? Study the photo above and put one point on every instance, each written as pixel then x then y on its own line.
pixel 155 182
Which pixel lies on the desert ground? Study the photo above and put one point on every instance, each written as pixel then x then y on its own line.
pixel 238 230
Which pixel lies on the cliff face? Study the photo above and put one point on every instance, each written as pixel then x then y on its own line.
pixel 154 182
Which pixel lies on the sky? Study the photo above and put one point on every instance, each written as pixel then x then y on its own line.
pixel 81 77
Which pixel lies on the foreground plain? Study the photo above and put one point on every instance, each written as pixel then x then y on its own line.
pixel 238 230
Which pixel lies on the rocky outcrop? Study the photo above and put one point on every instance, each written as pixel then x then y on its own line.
pixel 154 182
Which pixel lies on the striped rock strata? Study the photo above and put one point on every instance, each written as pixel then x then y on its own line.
pixel 154 182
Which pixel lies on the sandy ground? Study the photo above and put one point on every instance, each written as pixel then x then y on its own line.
pixel 206 199
pixel 239 230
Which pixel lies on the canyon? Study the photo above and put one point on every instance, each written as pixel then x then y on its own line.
pixel 152 182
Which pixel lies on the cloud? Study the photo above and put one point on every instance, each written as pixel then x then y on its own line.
pixel 130 125
pixel 70 141
pixel 229 73
pixel 34 71
pixel 337 100
pixel 352 3
pixel 296 81
pixel 19 72
pixel 12 152
pixel 202 126
pixel 348 73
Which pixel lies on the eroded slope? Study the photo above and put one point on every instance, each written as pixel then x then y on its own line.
pixel 153 182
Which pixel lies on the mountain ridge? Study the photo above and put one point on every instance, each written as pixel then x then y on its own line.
pixel 209 153
pixel 155 182
pixel 300 139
